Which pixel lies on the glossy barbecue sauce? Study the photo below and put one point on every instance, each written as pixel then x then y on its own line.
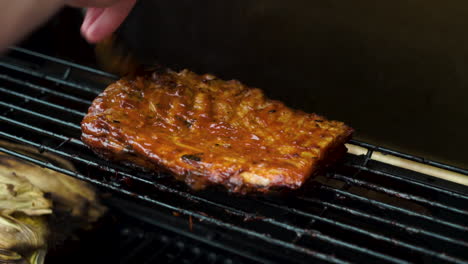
pixel 208 131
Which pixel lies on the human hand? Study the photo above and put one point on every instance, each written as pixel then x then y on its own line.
pixel 102 17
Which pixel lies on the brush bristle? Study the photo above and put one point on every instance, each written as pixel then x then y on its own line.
pixel 113 57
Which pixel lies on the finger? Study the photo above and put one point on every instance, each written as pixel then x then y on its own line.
pixel 93 3
pixel 91 15
pixel 108 21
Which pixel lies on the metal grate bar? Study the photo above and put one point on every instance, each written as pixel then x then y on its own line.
pixel 72 156
pixel 393 208
pixel 371 234
pixel 409 157
pixel 407 228
pixel 208 240
pixel 83 88
pixel 201 217
pixel 407 181
pixel 392 241
pixel 63 62
pixel 42 102
pixel 45 117
pixel 402 195
pixel 42 131
pixel 44 89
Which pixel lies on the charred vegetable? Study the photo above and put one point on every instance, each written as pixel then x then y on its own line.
pixel 31 198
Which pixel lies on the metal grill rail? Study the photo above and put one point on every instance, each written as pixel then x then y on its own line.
pixel 361 210
pixel 125 239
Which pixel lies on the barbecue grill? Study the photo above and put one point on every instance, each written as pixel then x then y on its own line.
pixel 360 210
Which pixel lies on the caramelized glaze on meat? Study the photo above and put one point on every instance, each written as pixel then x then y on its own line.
pixel 208 131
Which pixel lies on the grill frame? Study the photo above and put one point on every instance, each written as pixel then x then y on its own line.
pixel 137 241
pixel 59 74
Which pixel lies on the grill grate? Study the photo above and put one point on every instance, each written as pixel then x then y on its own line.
pixel 137 242
pixel 361 210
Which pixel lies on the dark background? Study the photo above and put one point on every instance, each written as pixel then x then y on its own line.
pixel 396 71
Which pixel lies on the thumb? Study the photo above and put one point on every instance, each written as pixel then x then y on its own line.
pixel 100 23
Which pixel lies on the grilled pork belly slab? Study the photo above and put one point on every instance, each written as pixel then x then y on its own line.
pixel 206 131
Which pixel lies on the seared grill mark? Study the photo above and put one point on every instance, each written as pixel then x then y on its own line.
pixel 208 131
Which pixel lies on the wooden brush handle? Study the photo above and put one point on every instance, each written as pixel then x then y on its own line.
pixel 410 165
